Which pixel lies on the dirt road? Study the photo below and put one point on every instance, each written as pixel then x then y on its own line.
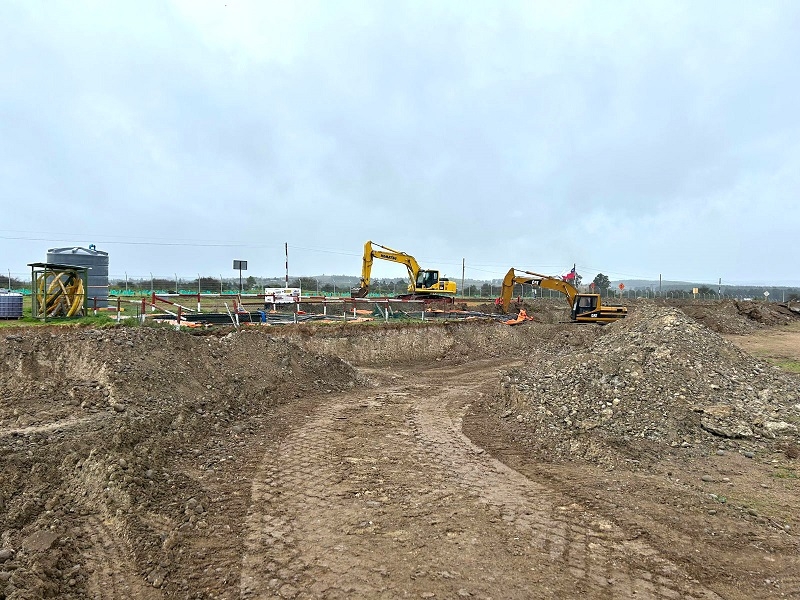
pixel 382 495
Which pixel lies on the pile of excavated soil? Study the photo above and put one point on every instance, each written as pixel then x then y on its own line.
pixel 453 341
pixel 109 435
pixel 735 317
pixel 655 381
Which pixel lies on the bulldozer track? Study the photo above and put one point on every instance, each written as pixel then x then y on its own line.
pixel 377 480
pixel 112 572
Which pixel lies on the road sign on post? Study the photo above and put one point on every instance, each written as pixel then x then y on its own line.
pixel 241 265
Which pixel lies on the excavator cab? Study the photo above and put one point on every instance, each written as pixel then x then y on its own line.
pixel 427 279
pixel 584 303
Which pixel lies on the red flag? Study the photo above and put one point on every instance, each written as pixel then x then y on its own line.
pixel 570 276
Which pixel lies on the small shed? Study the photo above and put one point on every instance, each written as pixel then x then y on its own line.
pixel 58 290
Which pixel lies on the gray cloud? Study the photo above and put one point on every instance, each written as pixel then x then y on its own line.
pixel 631 138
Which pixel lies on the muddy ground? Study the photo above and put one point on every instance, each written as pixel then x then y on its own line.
pixel 652 458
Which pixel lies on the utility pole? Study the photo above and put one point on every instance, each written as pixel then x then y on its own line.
pixel 462 276
pixel 286 247
pixel 659 284
pixel 719 292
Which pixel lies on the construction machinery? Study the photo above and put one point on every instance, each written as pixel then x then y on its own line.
pixel 424 284
pixel 584 308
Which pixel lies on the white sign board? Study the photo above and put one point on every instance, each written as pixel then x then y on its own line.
pixel 282 295
pixel 766 294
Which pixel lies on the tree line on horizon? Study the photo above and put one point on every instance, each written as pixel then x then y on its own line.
pixel 339 284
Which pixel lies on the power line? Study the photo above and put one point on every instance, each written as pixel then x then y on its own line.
pixel 145 243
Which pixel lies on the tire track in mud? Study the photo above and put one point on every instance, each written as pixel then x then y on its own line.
pixel 381 495
pixel 112 575
pixel 295 497
pixel 590 549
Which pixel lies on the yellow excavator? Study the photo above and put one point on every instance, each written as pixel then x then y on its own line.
pixel 425 284
pixel 584 308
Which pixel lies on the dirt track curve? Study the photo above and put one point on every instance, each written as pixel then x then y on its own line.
pixel 383 496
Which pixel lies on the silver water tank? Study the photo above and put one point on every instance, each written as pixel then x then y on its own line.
pixel 96 260
pixel 10 305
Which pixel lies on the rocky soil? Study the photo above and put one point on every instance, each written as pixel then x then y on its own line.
pixel 649 458
pixel 657 377
pixel 737 317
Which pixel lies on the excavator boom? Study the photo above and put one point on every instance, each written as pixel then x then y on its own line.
pixel 537 279
pixel 384 253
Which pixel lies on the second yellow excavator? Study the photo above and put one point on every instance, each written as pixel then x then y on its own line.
pixel 425 284
pixel 584 308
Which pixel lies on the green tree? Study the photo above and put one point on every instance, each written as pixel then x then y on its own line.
pixel 307 284
pixel 601 282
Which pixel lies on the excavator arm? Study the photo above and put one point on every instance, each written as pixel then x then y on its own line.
pixel 383 253
pixel 537 279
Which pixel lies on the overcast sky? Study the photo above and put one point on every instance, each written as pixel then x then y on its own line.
pixel 630 138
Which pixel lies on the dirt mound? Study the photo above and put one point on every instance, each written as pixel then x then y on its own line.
pixel 454 341
pixel 547 310
pixel 765 313
pixel 100 431
pixel 654 381
pixel 735 317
